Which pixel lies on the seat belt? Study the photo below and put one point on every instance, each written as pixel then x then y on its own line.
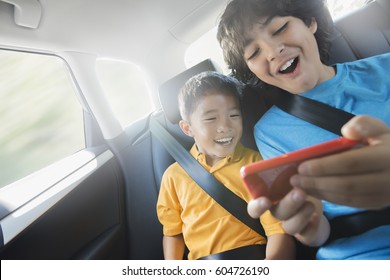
pixel 312 111
pixel 221 194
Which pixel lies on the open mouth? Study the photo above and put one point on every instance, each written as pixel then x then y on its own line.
pixel 224 141
pixel 289 66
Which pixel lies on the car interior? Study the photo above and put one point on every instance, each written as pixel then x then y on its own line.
pixel 110 213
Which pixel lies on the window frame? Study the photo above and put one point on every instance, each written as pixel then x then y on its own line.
pixel 91 133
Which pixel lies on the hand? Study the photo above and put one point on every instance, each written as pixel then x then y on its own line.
pixel 301 216
pixel 357 178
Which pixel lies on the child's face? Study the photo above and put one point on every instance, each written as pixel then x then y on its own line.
pixel 216 126
pixel 283 52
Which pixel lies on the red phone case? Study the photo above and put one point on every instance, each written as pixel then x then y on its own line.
pixel 271 177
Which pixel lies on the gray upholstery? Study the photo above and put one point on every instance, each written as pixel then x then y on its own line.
pixel 364 33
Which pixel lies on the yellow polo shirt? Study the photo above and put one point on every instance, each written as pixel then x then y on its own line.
pixel 183 207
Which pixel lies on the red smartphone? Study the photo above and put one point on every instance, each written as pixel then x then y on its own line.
pixel 271 177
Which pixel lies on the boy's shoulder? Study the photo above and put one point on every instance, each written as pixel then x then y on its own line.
pixel 174 175
pixel 383 56
pixel 369 68
pixel 174 168
pixel 379 60
pixel 376 60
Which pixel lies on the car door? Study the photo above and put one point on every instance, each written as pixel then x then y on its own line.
pixel 61 194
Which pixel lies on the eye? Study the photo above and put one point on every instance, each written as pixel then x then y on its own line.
pixel 235 114
pixel 210 119
pixel 281 29
pixel 254 54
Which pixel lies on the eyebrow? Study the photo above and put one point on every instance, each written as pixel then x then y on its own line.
pixel 267 21
pixel 209 112
pixel 263 25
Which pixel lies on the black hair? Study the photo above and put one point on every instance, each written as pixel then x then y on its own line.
pixel 240 16
pixel 204 84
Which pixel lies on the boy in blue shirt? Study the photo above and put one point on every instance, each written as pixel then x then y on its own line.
pixel 284 44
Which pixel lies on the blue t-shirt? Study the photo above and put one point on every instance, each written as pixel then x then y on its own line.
pixel 359 87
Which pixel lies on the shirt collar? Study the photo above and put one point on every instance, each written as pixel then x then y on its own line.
pixel 234 157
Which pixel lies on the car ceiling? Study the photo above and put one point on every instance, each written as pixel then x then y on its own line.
pixel 150 33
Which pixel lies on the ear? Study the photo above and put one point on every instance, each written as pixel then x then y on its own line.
pixel 186 128
pixel 313 26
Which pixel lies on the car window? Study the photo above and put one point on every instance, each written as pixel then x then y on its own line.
pixel 41 118
pixel 339 8
pixel 126 89
pixel 207 46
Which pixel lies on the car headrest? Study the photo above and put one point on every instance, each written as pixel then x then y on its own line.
pixel 362 33
pixel 169 90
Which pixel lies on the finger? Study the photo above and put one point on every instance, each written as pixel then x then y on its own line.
pixel 297 223
pixel 256 207
pixel 363 127
pixel 289 205
pixel 367 189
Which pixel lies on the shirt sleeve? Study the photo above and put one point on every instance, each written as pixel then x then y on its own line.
pixel 271 225
pixel 168 206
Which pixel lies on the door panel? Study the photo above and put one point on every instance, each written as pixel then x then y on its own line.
pixel 80 218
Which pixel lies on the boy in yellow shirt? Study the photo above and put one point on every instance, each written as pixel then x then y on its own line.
pixel 210 109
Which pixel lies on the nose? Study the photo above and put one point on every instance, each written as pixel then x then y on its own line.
pixel 273 50
pixel 224 125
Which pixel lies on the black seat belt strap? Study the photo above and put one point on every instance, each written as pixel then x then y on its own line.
pixel 312 111
pixel 358 223
pixel 221 194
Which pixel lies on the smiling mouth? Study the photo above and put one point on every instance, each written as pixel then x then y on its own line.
pixel 224 141
pixel 289 66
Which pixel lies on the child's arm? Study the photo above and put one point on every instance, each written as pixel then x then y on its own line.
pixel 173 247
pixel 280 247
pixel 358 178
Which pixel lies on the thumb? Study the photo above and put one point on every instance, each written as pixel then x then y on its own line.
pixel 364 127
pixel 256 207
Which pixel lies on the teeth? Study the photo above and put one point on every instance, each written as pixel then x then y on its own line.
pixel 224 140
pixel 287 64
